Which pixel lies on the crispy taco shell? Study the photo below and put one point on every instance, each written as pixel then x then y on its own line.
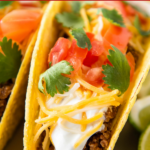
pixel 47 36
pixel 14 111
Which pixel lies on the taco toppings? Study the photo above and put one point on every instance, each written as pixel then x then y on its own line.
pixel 88 74
pixel 17 23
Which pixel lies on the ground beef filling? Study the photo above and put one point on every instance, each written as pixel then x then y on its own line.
pixel 99 140
pixel 5 90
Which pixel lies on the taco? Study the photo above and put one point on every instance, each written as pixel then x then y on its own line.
pixel 18 25
pixel 88 64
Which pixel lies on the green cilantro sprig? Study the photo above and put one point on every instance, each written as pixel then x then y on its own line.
pixel 73 19
pixel 77 5
pixel 43 2
pixel 5 3
pixel 70 20
pixel 10 61
pixel 54 79
pixel 137 25
pixel 82 40
pixel 118 76
pixel 112 16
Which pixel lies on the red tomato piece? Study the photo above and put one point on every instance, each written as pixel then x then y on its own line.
pixel 90 35
pixel 18 24
pixel 59 51
pixel 75 56
pixel 94 76
pixel 76 51
pixel 85 69
pixel 117 36
pixel 131 62
pixel 96 50
pixel 76 63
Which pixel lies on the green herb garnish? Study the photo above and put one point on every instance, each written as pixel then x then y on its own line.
pixel 10 61
pixel 118 76
pixel 5 3
pixel 113 17
pixel 82 40
pixel 54 79
pixel 77 5
pixel 70 20
pixel 138 27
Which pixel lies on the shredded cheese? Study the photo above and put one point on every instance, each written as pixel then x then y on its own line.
pixel 44 127
pixel 90 87
pixel 83 127
pixel 88 134
pixel 58 100
pixel 86 20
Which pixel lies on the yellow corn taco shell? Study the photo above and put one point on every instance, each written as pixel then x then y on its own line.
pixel 14 111
pixel 47 36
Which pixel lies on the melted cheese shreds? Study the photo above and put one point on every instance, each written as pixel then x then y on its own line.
pixel 88 134
pixel 42 104
pixel 105 99
pixel 87 94
pixel 58 100
pixel 84 121
pixel 90 87
pixel 39 132
pixel 83 127
pixel 86 20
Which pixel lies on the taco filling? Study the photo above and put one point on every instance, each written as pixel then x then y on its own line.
pixel 89 70
pixel 18 21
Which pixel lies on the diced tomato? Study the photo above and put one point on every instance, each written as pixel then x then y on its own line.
pixel 96 50
pixel 117 36
pixel 76 63
pixel 76 51
pixel 30 3
pixel 76 55
pixel 18 24
pixel 131 62
pixel 94 76
pixel 59 51
pixel 90 35
pixel 90 59
pixel 85 69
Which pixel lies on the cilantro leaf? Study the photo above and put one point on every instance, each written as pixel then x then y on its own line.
pixel 87 3
pixel 70 20
pixel 10 62
pixel 113 17
pixel 43 2
pixel 118 76
pixel 5 3
pixel 82 40
pixel 54 79
pixel 137 25
pixel 77 5
pixel 137 8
